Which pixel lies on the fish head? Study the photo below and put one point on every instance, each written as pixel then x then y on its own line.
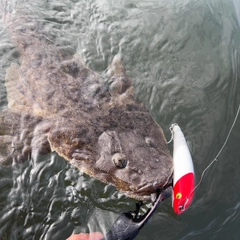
pixel 132 152
pixel 124 148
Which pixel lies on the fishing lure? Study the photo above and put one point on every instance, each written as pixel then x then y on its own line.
pixel 183 174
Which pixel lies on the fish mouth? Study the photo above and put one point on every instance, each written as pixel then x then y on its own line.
pixel 149 191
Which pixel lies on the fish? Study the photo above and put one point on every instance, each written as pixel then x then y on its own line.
pixel 56 103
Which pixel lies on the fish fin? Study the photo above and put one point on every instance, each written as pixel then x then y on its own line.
pixel 120 82
pixel 16 99
pixel 6 149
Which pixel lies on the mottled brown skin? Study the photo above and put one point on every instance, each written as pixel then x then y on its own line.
pixel 56 103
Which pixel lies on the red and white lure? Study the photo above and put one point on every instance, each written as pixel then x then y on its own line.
pixel 183 176
pixel 183 173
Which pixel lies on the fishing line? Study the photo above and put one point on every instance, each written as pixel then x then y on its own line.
pixel 220 151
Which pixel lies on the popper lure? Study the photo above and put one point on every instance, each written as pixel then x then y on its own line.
pixel 183 173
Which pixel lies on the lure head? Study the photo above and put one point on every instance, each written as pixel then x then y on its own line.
pixel 183 192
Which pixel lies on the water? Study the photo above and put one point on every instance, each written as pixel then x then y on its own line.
pixel 184 59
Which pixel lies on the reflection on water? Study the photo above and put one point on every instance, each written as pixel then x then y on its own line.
pixel 184 59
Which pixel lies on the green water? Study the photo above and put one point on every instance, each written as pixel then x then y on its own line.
pixel 184 59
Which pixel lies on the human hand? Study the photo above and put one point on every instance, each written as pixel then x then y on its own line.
pixel 86 236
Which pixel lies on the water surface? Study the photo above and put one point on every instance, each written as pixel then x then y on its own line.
pixel 184 59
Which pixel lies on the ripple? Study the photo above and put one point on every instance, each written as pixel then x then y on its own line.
pixel 184 59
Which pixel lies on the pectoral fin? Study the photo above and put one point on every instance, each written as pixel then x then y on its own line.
pixel 120 82
pixel 6 150
pixel 15 95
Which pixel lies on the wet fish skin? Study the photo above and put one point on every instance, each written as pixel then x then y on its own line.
pixel 56 103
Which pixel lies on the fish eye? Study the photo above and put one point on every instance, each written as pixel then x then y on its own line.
pixel 119 160
pixel 149 141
